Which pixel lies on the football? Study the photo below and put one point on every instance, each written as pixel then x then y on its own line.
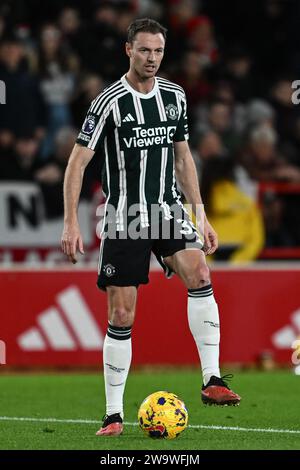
pixel 163 415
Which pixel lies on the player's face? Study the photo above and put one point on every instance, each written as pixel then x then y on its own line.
pixel 146 53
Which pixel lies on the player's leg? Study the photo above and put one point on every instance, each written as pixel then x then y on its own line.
pixel 203 315
pixel 203 318
pixel 123 265
pixel 117 355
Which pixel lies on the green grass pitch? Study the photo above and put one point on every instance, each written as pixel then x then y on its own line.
pixel 75 403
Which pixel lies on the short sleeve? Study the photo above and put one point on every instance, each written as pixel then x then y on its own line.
pixel 94 128
pixel 182 130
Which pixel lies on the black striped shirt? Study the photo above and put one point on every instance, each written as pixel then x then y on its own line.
pixel 135 132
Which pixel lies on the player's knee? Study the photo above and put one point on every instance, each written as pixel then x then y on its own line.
pixel 121 317
pixel 198 278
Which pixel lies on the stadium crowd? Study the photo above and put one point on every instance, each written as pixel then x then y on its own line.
pixel 236 62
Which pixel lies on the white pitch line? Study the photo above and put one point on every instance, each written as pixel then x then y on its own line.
pixel 192 426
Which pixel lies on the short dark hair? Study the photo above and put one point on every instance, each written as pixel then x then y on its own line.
pixel 145 25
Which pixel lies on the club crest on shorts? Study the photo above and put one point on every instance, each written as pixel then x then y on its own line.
pixel 171 111
pixel 109 270
pixel 89 124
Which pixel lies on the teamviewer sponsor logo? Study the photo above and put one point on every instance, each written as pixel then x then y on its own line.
pixel 68 325
pixel 151 136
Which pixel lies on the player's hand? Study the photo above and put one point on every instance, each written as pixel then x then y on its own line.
pixel 210 239
pixel 71 240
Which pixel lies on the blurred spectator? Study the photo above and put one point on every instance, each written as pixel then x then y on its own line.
pixel 287 121
pixel 262 160
pixel 264 163
pixel 2 27
pixel 237 70
pixel 207 146
pixel 6 143
pixel 276 224
pixel 110 38
pixel 235 216
pixel 260 113
pixel 191 77
pixel 210 145
pixel 90 87
pixel 72 33
pixel 180 12
pixel 69 22
pixel 21 163
pixel 271 34
pixel 125 17
pixel 200 34
pixel 23 112
pixel 217 117
pixel 57 73
pixel 223 92
pixel 80 38
pixel 150 9
pixel 50 173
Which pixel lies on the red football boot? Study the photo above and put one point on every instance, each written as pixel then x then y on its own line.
pixel 112 426
pixel 217 392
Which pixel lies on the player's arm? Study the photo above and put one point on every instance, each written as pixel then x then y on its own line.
pixel 71 237
pixel 187 177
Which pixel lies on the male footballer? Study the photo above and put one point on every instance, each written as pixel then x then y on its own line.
pixel 139 125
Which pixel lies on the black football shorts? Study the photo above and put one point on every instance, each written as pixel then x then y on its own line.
pixel 124 261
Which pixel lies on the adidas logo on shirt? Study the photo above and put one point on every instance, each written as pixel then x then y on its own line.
pixel 128 118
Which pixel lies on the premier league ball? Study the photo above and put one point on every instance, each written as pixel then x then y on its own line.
pixel 163 415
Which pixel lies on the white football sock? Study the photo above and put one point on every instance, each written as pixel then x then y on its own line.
pixel 203 318
pixel 116 363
